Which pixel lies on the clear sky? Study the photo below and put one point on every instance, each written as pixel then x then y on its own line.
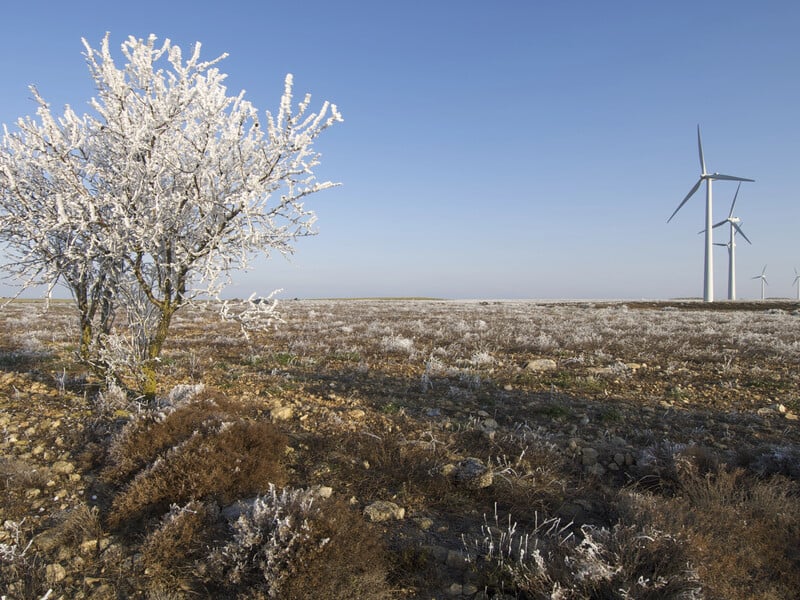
pixel 507 149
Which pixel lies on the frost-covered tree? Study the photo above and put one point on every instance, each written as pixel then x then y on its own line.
pixel 158 195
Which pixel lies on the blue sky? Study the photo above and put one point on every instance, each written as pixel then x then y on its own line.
pixel 514 149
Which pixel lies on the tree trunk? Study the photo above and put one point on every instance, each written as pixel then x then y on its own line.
pixel 153 351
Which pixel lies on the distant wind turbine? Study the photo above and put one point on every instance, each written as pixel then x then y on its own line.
pixel 797 282
pixel 763 278
pixel 708 272
pixel 731 245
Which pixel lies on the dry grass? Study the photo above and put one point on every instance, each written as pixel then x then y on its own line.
pixel 742 531
pixel 221 460
pixel 386 398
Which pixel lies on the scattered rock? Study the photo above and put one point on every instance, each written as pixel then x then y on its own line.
pixel 541 364
pixel 383 510
pixel 489 425
pixel 473 474
pixel 232 512
pixel 281 413
pixel 54 573
pixel 588 456
pixel 456 560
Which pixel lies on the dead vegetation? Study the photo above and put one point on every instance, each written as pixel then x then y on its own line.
pixel 533 450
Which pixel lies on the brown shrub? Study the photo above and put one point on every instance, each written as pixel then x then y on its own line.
pixel 224 463
pixel 351 565
pixel 741 532
pixel 170 553
pixel 144 439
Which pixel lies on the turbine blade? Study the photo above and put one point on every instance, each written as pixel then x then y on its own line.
pixel 764 270
pixel 689 195
pixel 718 224
pixel 700 150
pixel 730 214
pixel 720 176
pixel 720 244
pixel 739 230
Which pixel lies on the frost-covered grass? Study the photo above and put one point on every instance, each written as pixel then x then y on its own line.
pixel 686 410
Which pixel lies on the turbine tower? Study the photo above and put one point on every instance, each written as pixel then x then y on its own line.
pixel 797 283
pixel 708 272
pixel 763 278
pixel 731 245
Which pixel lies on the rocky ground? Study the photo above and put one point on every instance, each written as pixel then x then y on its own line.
pixel 593 417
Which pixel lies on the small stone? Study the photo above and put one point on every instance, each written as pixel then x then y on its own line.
pixel 383 510
pixel 92 546
pixel 541 364
pixel 589 456
pixel 324 491
pixel 790 416
pixel 439 553
pixel 489 425
pixel 55 573
pixel 455 589
pixel 232 512
pixel 448 469
pixel 456 560
pixel 596 469
pixel 356 414
pixel 281 413
pixel 63 467
pixel 473 474
pixel 469 589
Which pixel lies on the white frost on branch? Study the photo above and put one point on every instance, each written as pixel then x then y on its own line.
pixel 254 314
pixel 165 189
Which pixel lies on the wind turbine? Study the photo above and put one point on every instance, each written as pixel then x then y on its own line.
pixel 731 245
pixel 797 282
pixel 708 272
pixel 763 278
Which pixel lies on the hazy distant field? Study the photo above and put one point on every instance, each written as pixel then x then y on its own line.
pixel 642 450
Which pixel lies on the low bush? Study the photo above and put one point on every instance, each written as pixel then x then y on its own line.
pixel 222 461
pixel 291 543
pixel 555 561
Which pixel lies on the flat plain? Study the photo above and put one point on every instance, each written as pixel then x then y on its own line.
pixel 450 449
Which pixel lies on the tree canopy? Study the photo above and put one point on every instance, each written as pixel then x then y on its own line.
pixel 155 197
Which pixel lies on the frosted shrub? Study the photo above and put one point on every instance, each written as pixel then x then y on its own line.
pixel 481 359
pixel 551 561
pixel 14 551
pixel 266 540
pixel 397 344
pixel 293 544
